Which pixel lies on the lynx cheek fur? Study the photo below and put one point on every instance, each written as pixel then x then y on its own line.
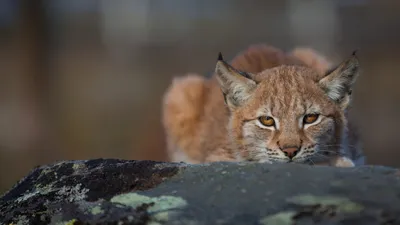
pixel 265 106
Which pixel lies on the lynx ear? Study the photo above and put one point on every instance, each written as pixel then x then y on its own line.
pixel 236 86
pixel 339 82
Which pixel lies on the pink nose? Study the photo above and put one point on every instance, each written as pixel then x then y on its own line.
pixel 291 151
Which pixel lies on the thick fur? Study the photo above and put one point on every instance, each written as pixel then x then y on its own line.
pixel 183 113
pixel 215 119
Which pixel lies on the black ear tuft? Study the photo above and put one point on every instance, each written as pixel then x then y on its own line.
pixel 354 52
pixel 220 58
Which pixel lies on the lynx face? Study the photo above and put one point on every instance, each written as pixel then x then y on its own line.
pixel 287 113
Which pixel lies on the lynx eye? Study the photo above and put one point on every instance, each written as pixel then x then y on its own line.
pixel 310 118
pixel 267 121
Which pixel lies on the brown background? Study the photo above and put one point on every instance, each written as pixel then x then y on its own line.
pixel 84 79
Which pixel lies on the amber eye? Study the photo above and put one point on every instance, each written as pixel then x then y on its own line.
pixel 310 118
pixel 266 121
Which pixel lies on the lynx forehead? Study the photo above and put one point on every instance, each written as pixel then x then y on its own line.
pixel 265 106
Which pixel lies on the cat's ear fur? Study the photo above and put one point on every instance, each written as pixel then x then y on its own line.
pixel 237 87
pixel 338 83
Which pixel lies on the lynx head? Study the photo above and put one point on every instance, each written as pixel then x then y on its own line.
pixel 287 113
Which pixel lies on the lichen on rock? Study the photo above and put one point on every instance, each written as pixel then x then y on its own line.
pixel 160 208
pixel 111 191
pixel 59 191
pixel 341 204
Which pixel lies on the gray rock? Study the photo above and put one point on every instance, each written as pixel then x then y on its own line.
pixel 111 191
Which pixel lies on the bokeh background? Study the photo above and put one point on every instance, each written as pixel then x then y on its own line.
pixel 83 79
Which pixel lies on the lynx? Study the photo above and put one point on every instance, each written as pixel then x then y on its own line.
pixel 266 105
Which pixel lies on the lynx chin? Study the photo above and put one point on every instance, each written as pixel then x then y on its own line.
pixel 265 105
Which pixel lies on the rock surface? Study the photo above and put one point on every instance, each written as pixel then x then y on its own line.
pixel 110 191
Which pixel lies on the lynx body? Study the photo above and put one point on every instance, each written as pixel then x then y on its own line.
pixel 266 106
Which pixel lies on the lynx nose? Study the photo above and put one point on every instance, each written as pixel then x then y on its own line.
pixel 290 151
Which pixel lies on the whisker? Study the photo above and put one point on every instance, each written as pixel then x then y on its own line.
pixel 320 155
pixel 334 152
pixel 339 145
pixel 311 161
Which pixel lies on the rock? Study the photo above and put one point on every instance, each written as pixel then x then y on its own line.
pixel 110 191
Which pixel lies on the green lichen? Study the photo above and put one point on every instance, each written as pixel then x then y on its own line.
pixel 343 205
pixel 27 196
pixel 72 194
pixel 43 187
pixel 161 203
pixel 45 171
pixel 282 218
pixel 96 210
pixel 46 189
pixel 160 207
pixel 162 216
pixel 38 190
pixel 71 222
pixel 76 166
pixel 153 223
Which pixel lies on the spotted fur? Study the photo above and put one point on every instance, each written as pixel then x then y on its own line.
pixel 217 119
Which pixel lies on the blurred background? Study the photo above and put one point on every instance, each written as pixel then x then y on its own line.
pixel 83 79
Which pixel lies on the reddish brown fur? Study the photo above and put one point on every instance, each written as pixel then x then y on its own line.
pixel 196 118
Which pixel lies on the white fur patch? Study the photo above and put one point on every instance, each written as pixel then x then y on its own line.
pixel 247 129
pixel 240 91
pixel 335 89
pixel 343 162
